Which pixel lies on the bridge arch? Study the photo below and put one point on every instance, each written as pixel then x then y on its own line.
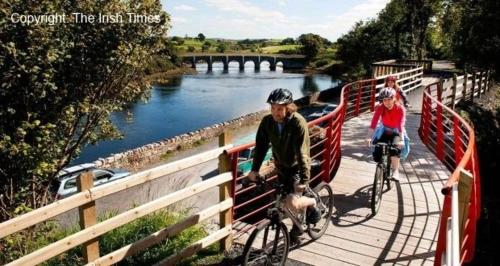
pixel 287 61
pixel 241 65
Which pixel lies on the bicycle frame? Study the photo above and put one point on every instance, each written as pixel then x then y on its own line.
pixel 281 208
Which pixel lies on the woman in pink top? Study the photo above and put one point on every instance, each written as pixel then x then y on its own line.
pixel 392 128
pixel 391 82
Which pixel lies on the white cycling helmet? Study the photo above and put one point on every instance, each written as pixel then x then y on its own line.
pixel 386 93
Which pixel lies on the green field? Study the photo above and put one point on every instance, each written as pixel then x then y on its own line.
pixel 277 48
pixel 232 46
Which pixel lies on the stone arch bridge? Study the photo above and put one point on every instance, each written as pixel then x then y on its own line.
pixel 288 61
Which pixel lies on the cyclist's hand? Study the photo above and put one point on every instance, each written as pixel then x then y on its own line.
pixel 253 176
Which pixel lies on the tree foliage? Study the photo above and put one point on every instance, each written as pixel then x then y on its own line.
pixel 60 83
pixel 221 47
pixel 287 41
pixel 463 31
pixel 476 41
pixel 311 44
pixel 401 30
pixel 201 37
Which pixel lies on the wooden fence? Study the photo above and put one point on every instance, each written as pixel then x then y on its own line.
pixel 388 67
pixel 88 237
pixel 465 87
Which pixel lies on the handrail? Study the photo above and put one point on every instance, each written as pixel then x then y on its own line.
pixel 90 233
pixel 435 115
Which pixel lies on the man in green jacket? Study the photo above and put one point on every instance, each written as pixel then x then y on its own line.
pixel 288 134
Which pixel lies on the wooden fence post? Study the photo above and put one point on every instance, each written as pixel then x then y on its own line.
pixel 225 191
pixel 454 91
pixel 473 86
pixel 480 85
pixel 464 91
pixel 88 217
pixel 487 82
pixel 464 191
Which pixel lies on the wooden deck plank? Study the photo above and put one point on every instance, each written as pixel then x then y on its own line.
pixel 404 231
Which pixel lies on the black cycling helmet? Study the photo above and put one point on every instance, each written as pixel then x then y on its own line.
pixel 280 96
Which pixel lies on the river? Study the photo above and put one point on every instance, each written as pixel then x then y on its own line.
pixel 191 102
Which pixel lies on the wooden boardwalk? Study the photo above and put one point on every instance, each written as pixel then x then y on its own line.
pixel 404 232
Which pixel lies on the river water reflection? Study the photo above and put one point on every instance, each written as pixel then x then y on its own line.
pixel 195 101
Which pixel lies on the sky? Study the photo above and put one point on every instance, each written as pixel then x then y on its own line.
pixel 268 19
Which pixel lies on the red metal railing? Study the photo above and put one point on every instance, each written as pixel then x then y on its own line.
pixel 356 98
pixel 452 140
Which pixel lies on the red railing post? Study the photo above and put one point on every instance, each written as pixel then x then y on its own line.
pixel 425 116
pixel 358 98
pixel 457 134
pixel 327 148
pixel 372 94
pixel 439 128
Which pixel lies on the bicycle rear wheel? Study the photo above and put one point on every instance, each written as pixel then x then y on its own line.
pixel 378 183
pixel 325 205
pixel 268 245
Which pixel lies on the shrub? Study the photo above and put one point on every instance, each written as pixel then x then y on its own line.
pixel 321 62
pixel 27 241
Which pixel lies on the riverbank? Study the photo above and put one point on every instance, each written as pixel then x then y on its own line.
pixel 203 139
pixel 164 78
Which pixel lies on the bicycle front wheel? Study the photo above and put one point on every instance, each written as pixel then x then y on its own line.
pixel 268 245
pixel 387 175
pixel 325 204
pixel 378 183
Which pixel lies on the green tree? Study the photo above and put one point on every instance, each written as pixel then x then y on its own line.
pixel 191 49
pixel 206 46
pixel 477 42
pixel 287 41
pixel 60 83
pixel 221 47
pixel 311 44
pixel 201 37
pixel 403 29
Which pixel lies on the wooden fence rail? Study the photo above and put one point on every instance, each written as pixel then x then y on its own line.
pixel 91 230
pixel 465 87
pixel 394 66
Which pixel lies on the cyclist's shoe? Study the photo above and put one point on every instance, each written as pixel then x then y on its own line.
pixel 313 215
pixel 295 241
pixel 295 236
pixel 395 175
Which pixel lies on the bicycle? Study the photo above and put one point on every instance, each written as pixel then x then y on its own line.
pixel 382 173
pixel 269 243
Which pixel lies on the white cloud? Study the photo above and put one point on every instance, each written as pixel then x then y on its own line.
pixel 242 19
pixel 184 8
pixel 179 20
pixel 282 2
pixel 341 24
pixel 249 10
